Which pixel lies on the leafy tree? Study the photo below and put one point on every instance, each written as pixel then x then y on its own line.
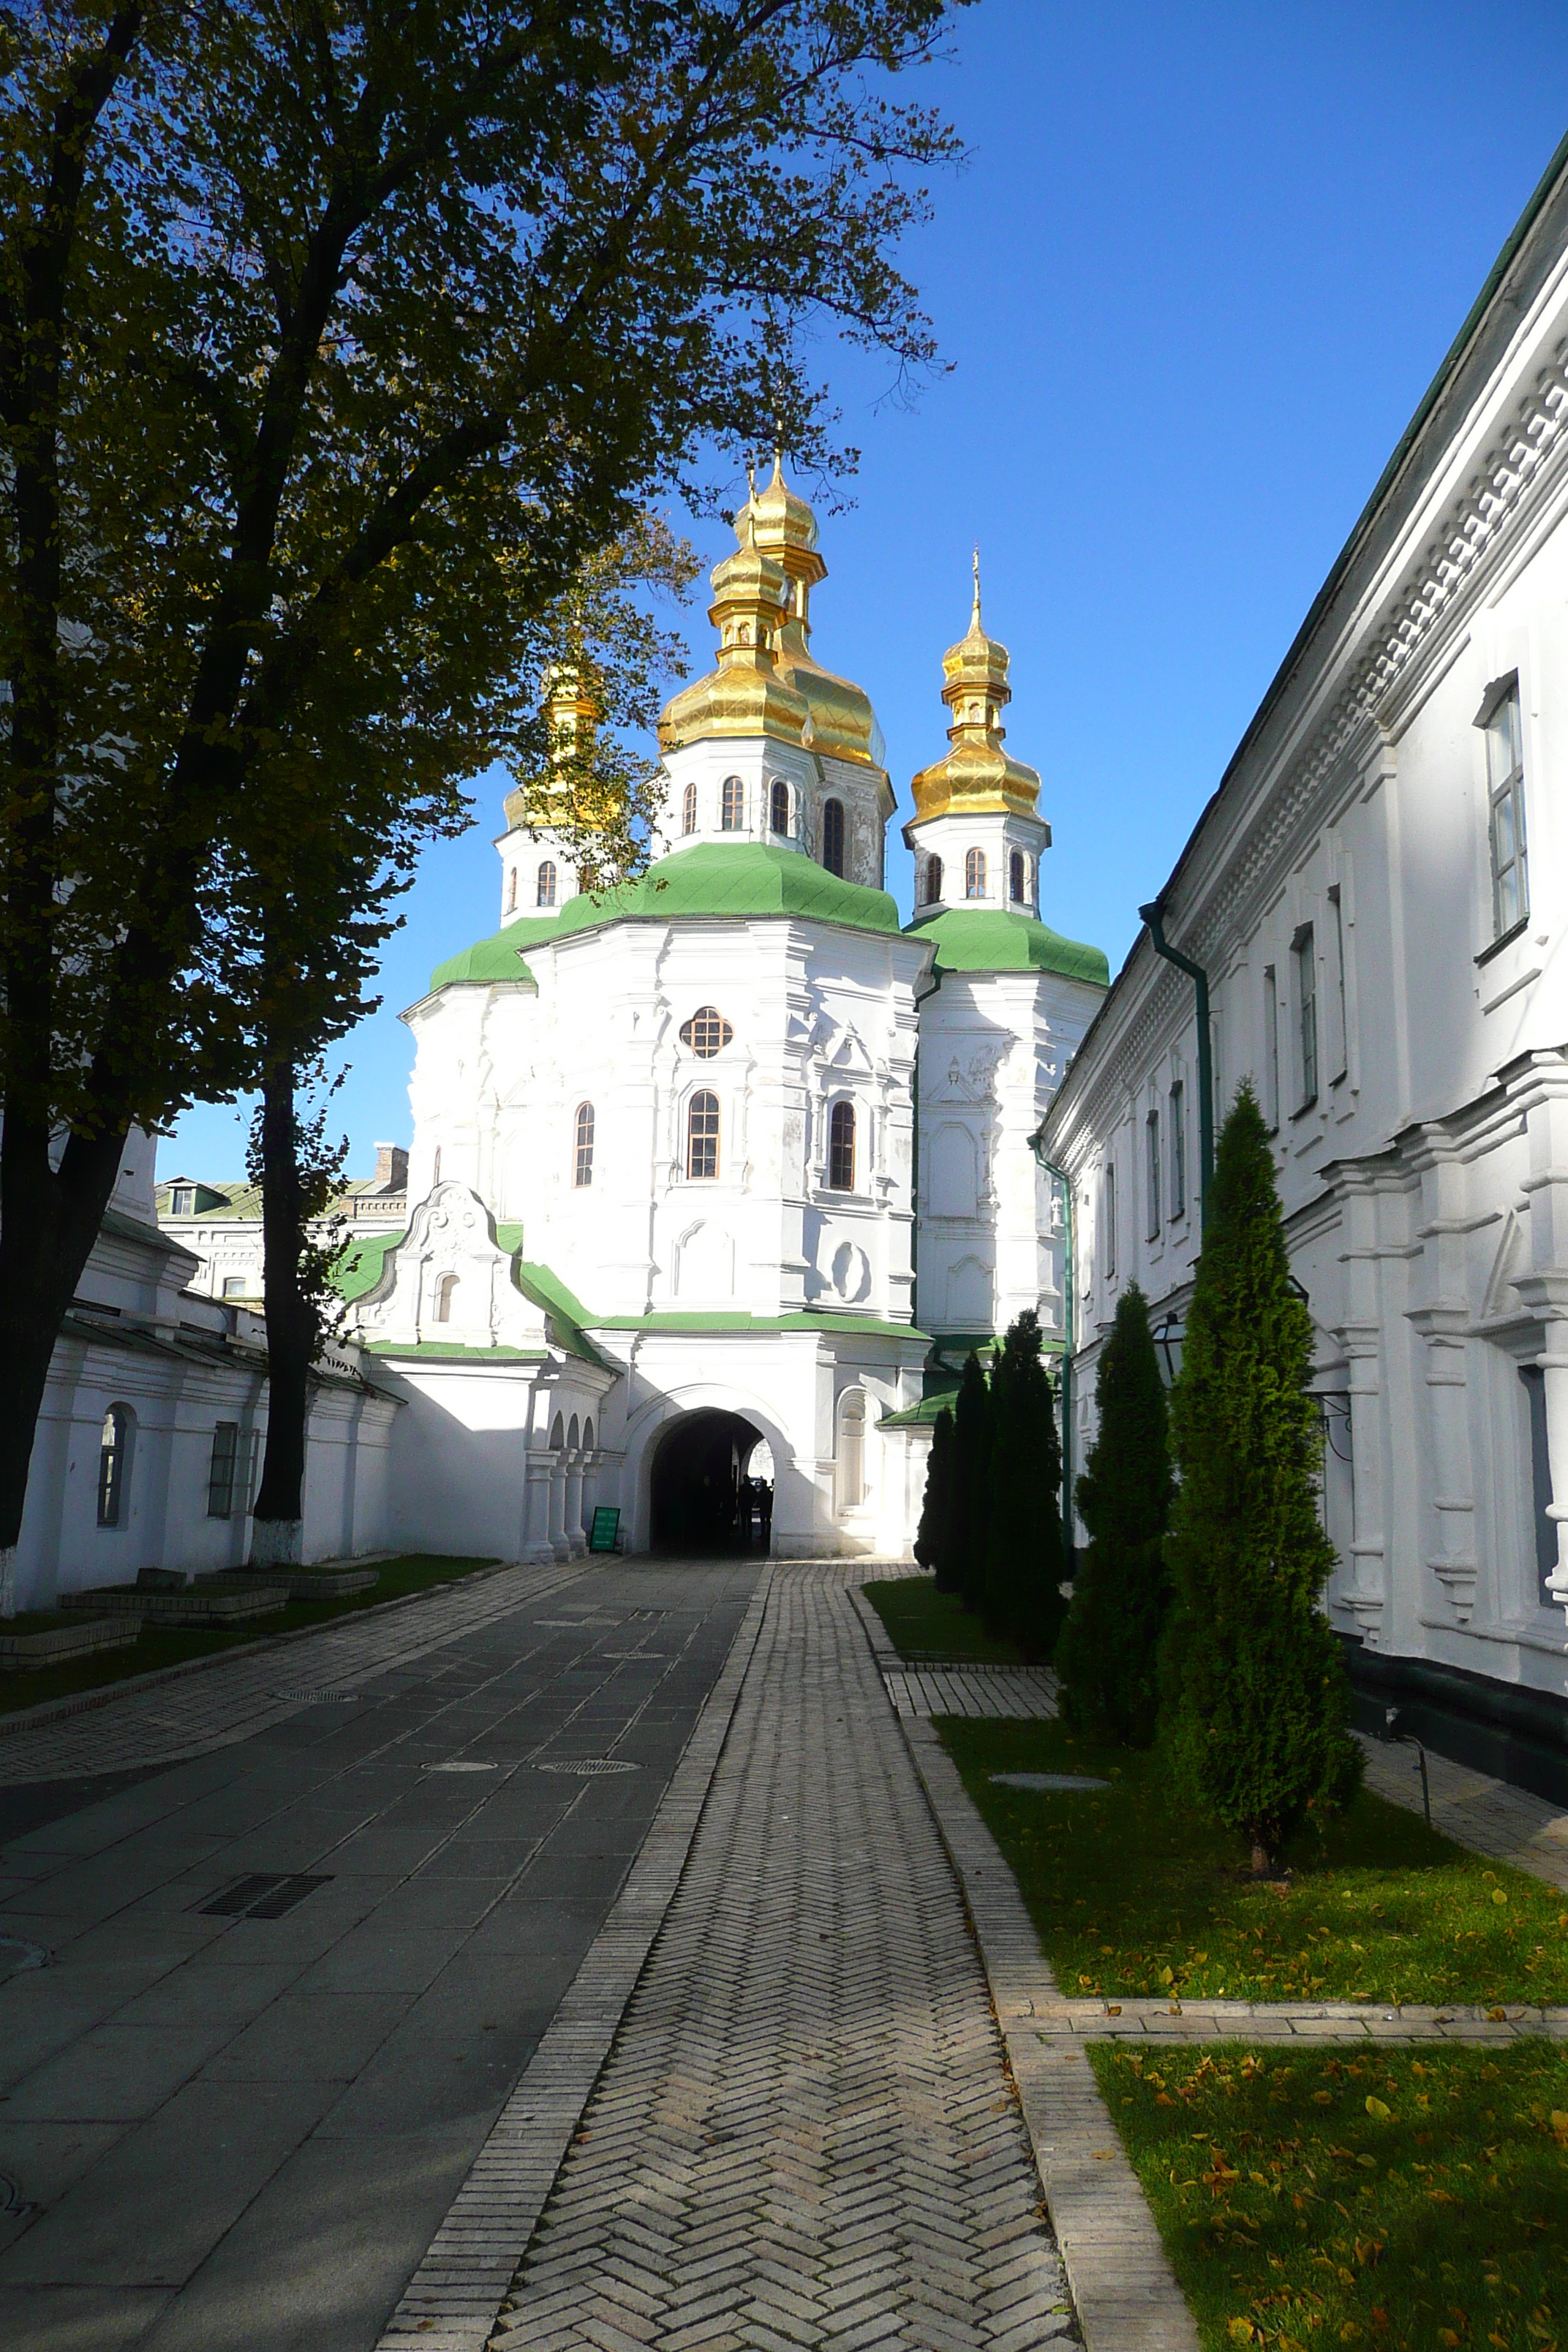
pixel 933 1537
pixel 1024 1566
pixel 971 1484
pixel 333 342
pixel 1107 1657
pixel 1257 1696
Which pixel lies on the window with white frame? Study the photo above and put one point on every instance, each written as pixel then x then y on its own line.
pixel 583 1147
pixel 841 1147
pixel 1505 811
pixel 1304 954
pixel 1152 1170
pixel 733 805
pixel 1017 877
pixel 688 809
pixel 114 1465
pixel 511 890
pixel 181 1200
pixel 1271 1049
pixel 1342 1037
pixel 707 1033
pixel 974 874
pixel 222 1466
pixel 1176 1120
pixel 778 806
pixel 544 885
pixel 933 880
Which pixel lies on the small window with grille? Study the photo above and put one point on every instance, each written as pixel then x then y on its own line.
pixel 733 805
pixel 707 1033
pixel 702 1135
pixel 582 1145
pixel 841 1147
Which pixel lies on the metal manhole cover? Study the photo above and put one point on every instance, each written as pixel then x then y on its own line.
pixel 589 1767
pixel 17 1954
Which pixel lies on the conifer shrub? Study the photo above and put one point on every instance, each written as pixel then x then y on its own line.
pixel 1251 1678
pixel 971 1484
pixel 933 1537
pixel 1107 1657
pixel 1022 1594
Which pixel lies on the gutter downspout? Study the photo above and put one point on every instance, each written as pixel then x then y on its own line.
pixel 1070 1279
pixel 937 977
pixel 1155 921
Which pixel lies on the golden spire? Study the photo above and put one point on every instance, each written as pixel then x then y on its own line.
pixel 976 772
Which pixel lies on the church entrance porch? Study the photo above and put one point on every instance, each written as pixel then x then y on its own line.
pixel 705 1501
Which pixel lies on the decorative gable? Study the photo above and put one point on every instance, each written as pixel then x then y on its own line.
pixel 449 1281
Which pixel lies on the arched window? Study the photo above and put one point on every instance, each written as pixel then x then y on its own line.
pixel 113 1464
pixel 588 1436
pixel 688 809
pixel 511 891
pixel 572 1434
pixel 558 1435
pixel 851 1449
pixel 833 835
pixel 733 805
pixel 582 1145
pixel 445 1291
pixel 841 1147
pixel 1017 879
pixel 546 896
pixel 933 880
pixel 974 874
pixel 707 1033
pixel 702 1135
pixel 778 806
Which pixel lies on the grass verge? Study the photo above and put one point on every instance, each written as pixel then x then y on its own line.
pixel 1395 2198
pixel 172 1646
pixel 1133 1894
pixel 922 1622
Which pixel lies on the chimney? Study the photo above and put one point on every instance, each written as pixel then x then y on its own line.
pixel 391 1168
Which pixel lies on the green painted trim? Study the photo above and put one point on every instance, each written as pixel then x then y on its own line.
pixel 923 1415
pixel 453 1352
pixel 362 1264
pixel 567 1314
pixel 986 939
pixel 711 882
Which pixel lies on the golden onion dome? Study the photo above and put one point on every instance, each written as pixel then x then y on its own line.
pixel 571 715
pixel 745 695
pixel 976 774
pixel 777 530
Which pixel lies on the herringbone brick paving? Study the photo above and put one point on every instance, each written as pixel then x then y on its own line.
pixel 805 2133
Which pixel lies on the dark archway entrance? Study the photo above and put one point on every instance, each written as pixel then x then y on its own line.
pixel 699 1504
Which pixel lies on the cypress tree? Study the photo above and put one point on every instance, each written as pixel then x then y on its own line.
pixel 1109 1653
pixel 971 1484
pixel 933 1537
pixel 1024 1567
pixel 1257 1696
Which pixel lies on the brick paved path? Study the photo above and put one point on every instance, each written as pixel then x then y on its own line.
pixel 919 1692
pixel 805 2133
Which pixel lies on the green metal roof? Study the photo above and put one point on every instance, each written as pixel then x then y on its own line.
pixel 359 1270
pixel 921 1415
pixel 982 939
pixel 712 881
pixel 454 1351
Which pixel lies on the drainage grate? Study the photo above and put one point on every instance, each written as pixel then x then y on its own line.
pixel 319 1697
pixel 262 1894
pixel 589 1767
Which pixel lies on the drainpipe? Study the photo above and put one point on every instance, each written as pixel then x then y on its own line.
pixel 923 998
pixel 1200 980
pixel 1070 1277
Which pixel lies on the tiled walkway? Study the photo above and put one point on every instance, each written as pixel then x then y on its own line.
pixel 805 2133
pixel 919 1692
pixel 1509 1824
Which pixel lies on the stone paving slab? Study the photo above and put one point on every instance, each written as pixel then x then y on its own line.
pixel 1243 2020
pixel 1506 1824
pixel 919 1692
pixel 804 2133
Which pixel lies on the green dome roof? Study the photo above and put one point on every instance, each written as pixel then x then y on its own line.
pixel 708 881
pixel 981 938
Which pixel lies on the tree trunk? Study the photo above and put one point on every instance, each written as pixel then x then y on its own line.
pixel 50 1220
pixel 1262 1859
pixel 278 1531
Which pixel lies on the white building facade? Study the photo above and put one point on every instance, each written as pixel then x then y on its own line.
pixel 706 1168
pixel 1378 894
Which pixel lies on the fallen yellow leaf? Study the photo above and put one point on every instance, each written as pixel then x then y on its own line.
pixel 1378 2109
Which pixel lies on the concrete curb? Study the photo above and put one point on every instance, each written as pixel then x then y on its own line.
pixel 1122 2284
pixel 453 2300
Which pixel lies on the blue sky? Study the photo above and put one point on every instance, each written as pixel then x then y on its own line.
pixel 1201 266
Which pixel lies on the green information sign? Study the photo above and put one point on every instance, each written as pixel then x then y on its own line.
pixel 607 1526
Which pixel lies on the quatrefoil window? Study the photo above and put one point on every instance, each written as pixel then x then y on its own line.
pixel 707 1033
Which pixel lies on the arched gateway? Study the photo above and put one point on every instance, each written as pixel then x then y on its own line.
pixel 701 1498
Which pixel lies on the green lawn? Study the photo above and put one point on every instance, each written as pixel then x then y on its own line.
pixel 1404 2198
pixel 172 1646
pixel 1133 1894
pixel 922 1622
